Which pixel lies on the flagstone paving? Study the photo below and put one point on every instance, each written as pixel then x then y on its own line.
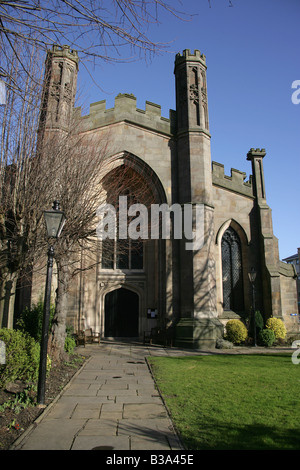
pixel 111 403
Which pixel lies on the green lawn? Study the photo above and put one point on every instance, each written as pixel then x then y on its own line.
pixel 232 401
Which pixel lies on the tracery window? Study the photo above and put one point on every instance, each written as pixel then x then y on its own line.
pixel 125 254
pixel 232 273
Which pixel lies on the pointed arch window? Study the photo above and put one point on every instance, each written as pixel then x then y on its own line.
pixel 232 272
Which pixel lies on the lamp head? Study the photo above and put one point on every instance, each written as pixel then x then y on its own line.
pixel 55 220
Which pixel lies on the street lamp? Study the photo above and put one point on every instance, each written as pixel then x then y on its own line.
pixel 55 220
pixel 252 277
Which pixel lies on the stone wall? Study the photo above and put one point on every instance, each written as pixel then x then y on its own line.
pixel 289 298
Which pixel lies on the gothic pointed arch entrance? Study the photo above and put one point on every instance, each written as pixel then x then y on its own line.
pixel 121 313
pixel 132 271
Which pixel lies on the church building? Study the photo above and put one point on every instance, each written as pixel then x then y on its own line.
pixel 190 293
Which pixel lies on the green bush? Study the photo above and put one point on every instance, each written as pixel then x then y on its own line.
pixel 31 320
pixel 266 337
pixel 236 331
pixel 259 321
pixel 69 344
pixel 22 357
pixel 277 326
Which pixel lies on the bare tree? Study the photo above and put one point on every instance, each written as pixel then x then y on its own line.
pixel 64 164
pixel 80 163
pixel 97 30
pixel 88 178
pixel 20 202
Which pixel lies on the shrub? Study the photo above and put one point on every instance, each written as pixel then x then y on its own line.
pixel 236 331
pixel 22 357
pixel 31 320
pixel 277 326
pixel 266 337
pixel 259 321
pixel 69 344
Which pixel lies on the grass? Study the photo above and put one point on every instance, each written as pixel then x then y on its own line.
pixel 245 402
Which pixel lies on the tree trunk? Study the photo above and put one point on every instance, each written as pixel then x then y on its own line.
pixel 58 334
pixel 7 301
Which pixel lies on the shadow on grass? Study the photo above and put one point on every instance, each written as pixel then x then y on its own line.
pixel 248 437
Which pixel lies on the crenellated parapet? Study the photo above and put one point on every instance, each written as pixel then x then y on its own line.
pixel 63 51
pixel 187 55
pixel 125 109
pixel 235 182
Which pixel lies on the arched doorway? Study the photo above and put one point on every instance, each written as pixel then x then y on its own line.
pixel 121 314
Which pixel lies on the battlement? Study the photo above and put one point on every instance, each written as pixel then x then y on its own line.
pixel 187 55
pixel 236 182
pixel 125 109
pixel 64 51
pixel 254 153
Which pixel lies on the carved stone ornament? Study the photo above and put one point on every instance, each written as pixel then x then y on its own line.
pixel 194 93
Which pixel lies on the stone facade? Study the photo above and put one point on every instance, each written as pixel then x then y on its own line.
pixel 176 289
pixel 294 260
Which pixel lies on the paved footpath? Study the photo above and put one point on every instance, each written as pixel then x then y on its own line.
pixel 110 404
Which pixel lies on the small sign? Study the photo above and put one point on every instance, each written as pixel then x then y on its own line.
pixel 152 313
pixel 2 353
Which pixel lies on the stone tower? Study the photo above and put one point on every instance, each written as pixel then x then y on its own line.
pixel 60 88
pixel 199 325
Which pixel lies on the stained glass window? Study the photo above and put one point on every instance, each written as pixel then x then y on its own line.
pixel 232 274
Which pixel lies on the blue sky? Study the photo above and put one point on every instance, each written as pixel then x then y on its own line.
pixel 252 54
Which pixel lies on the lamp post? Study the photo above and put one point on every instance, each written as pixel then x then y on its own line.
pixel 55 220
pixel 252 277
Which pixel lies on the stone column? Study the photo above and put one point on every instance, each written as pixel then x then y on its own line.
pixel 268 242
